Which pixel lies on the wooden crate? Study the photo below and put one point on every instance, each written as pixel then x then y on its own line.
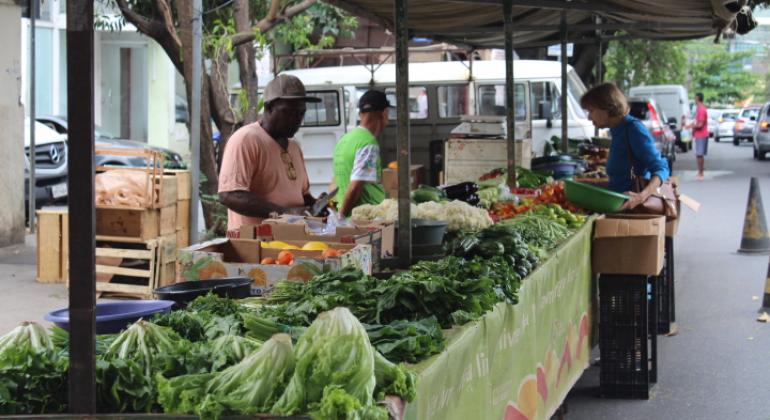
pixel 162 187
pixel 138 282
pixel 52 245
pixel 157 259
pixel 134 225
pixel 183 183
pixel 182 238
pixel 182 214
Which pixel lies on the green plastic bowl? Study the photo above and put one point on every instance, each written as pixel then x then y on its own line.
pixel 596 199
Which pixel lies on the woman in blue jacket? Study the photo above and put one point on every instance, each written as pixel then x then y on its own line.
pixel 632 148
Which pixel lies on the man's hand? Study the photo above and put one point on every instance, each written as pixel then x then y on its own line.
pixel 636 200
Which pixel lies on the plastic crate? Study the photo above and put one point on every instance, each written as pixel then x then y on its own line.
pixel 670 277
pixel 628 346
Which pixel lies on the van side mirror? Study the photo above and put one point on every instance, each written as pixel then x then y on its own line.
pixel 753 118
pixel 672 122
pixel 546 112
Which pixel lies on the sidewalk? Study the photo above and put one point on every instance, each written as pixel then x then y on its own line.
pixel 23 298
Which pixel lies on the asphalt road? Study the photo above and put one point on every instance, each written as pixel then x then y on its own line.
pixel 718 366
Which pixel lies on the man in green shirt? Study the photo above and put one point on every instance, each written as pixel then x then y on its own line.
pixel 357 163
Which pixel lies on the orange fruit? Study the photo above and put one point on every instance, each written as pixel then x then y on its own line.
pixel 285 258
pixel 330 253
pixel 267 261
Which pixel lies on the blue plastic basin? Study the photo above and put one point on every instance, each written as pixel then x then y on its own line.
pixel 113 317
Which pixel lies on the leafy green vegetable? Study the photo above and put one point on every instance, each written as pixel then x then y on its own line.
pixel 394 379
pixel 185 323
pixel 33 375
pixel 123 386
pixel 29 335
pixel 537 230
pixel 339 405
pixel 216 305
pixel 294 303
pixel 407 341
pixel 249 387
pixel 334 350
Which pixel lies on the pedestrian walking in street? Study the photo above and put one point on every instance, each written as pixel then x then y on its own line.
pixel 632 152
pixel 700 132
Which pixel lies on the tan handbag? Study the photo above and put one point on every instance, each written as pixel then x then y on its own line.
pixel 663 202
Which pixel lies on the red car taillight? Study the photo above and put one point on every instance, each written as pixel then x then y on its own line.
pixel 764 126
pixel 657 129
pixel 739 123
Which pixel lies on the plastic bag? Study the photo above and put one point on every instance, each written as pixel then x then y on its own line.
pixel 123 188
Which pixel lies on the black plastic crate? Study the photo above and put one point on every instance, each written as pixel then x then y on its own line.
pixel 670 278
pixel 627 343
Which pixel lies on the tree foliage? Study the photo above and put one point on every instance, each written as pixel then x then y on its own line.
pixel 634 62
pixel 233 30
pixel 700 65
pixel 719 74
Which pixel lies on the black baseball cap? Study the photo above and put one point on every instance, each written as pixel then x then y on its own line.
pixel 373 101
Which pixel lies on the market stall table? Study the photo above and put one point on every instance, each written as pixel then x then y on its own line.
pixel 517 358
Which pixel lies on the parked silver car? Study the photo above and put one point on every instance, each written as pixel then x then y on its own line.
pixel 762 133
pixel 744 125
pixel 725 124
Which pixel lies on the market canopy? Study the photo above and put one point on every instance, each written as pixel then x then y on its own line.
pixel 479 23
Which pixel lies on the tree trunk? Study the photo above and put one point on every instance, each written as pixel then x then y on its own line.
pixel 246 54
pixel 586 62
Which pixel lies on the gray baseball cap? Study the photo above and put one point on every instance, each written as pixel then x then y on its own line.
pixel 287 87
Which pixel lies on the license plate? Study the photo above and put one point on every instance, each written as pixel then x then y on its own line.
pixel 59 190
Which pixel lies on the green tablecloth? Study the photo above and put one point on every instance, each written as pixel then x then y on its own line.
pixel 518 361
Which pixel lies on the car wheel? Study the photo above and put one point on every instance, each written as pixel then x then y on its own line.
pixel 736 141
pixel 761 155
pixel 716 139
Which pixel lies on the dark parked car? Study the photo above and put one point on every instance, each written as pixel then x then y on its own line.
pixel 173 160
pixel 744 125
pixel 653 118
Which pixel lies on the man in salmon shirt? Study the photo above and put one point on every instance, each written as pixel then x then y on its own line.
pixel 263 169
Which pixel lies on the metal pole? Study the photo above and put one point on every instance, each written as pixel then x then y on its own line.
pixel 564 93
pixel 402 134
pixel 82 296
pixel 32 143
pixel 195 118
pixel 510 100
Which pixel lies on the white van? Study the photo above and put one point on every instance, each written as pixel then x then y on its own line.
pixel 671 98
pixel 439 94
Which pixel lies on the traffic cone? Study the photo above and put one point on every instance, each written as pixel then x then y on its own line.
pixel 766 298
pixel 756 239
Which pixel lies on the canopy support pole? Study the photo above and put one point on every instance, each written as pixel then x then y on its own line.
pixel 510 117
pixel 82 225
pixel 402 134
pixel 31 190
pixel 564 93
pixel 195 117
